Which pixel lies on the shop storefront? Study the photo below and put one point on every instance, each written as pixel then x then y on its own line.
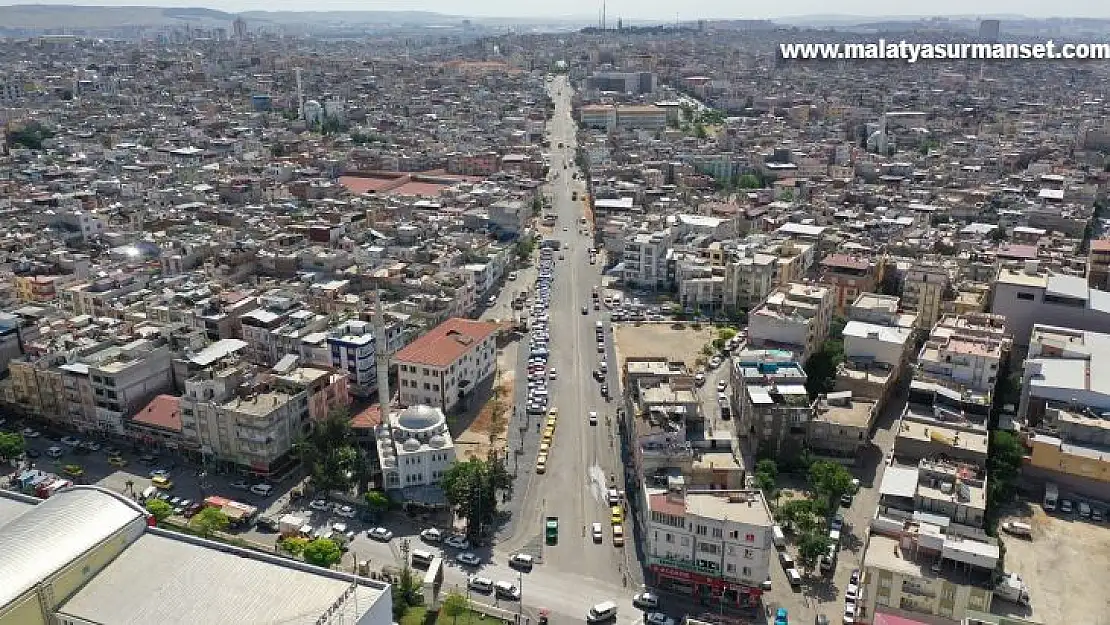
pixel 709 591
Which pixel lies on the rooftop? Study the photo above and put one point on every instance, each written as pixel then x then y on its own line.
pixel 446 343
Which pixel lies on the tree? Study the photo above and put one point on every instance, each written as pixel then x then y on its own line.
pixel 377 501
pixel 209 521
pixel 12 445
pixel 323 552
pixel 524 247
pixel 811 546
pixel 830 479
pixel 160 509
pixel 293 545
pixel 471 488
pixel 1004 458
pixel 766 473
pixel 454 605
pixel 329 453
pixel 749 181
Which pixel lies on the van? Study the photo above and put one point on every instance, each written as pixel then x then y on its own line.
pixel 794 577
pixel 604 611
pixel 778 537
pixel 481 584
pixel 422 558
pixel 150 492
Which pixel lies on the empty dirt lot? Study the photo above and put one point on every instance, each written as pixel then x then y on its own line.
pixel 1066 566
pixel 661 339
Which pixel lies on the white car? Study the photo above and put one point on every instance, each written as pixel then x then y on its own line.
pixel 468 559
pixel 715 362
pixel 320 505
pixel 380 534
pixel 721 386
pixel 658 618
pixel 431 535
pixel 595 529
pixel 593 418
pixel 551 373
pixel 521 561
pixel 262 490
pixel 851 593
pixel 30 433
pixel 849 613
pixel 347 512
pixel 71 441
pixel 646 600
pixel 457 542
pixel 162 473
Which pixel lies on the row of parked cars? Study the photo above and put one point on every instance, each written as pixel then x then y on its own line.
pixel 539 344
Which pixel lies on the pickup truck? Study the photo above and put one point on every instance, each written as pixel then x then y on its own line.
pixel 551 531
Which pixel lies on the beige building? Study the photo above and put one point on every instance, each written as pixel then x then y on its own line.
pixel 923 290
pixel 449 361
pixel 795 317
pixel 965 352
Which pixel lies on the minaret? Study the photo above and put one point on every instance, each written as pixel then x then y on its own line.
pixel 381 356
pixel 882 135
pixel 602 14
pixel 300 94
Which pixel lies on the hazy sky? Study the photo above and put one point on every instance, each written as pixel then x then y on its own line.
pixel 653 9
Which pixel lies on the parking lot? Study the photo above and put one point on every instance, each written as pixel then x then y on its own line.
pixel 663 340
pixel 1065 564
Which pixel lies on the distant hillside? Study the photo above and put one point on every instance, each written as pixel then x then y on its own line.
pixel 34 17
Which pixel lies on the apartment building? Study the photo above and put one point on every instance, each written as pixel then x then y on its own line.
pixel 773 407
pixel 645 258
pixel 848 277
pixel 1031 295
pixel 713 545
pixel 623 116
pixel 965 352
pixel 442 366
pixel 841 426
pixel 924 286
pixel 1065 397
pixel 1098 265
pixel 913 568
pixel 795 316
pixel 352 349
pixel 749 277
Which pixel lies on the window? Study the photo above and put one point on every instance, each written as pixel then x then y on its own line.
pixel 718 532
pixel 730 568
pixel 749 537
pixel 749 554
pixel 701 530
pixel 670 537
pixel 1026 296
pixel 734 534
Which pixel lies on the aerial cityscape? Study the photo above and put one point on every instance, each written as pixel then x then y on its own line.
pixel 400 317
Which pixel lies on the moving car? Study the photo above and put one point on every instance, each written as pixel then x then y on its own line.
pixel 593 418
pixel 595 530
pixel 521 561
pixel 163 483
pixel 480 584
pixel 431 535
pixel 262 490
pixel 468 559
pixel 658 618
pixel 646 600
pixel 458 542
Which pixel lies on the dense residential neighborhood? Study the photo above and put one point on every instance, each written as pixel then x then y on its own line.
pixel 365 328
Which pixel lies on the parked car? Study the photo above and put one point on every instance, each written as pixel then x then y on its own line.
pixel 457 542
pixel 431 535
pixel 521 561
pixel 320 505
pixel 240 485
pixel 380 534
pixel 658 618
pixel 468 559
pixel 262 490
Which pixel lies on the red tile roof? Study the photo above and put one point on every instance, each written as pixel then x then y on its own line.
pixel 162 412
pixel 1100 245
pixel 846 262
pixel 445 343
pixel 368 418
pixel 660 503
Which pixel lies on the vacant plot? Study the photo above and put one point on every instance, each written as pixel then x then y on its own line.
pixel 672 341
pixel 1066 566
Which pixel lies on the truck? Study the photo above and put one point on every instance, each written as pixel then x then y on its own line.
pixel 1013 588
pixel 1051 496
pixel 551 532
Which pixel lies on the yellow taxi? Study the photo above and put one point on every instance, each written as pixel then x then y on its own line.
pixel 618 535
pixel 117 461
pixel 541 463
pixel 618 515
pixel 544 449
pixel 551 423
pixel 163 483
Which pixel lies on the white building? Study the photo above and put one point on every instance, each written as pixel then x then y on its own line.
pixel 645 258
pixel 1030 296
pixel 352 349
pixel 710 543
pixel 439 368
pixel 795 317
pixel 965 351
pixel 414 448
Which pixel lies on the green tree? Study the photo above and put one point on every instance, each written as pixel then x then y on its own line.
pixel 471 488
pixel 830 479
pixel 524 247
pixel 209 521
pixel 699 131
pixel 454 605
pixel 811 546
pixel 726 334
pixel 12 445
pixel 323 552
pixel 748 181
pixel 293 545
pixel 766 474
pixel 160 509
pixel 329 453
pixel 1004 458
pixel 377 501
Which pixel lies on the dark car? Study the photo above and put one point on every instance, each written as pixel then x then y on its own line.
pixel 32 453
pixel 148 459
pixel 192 510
